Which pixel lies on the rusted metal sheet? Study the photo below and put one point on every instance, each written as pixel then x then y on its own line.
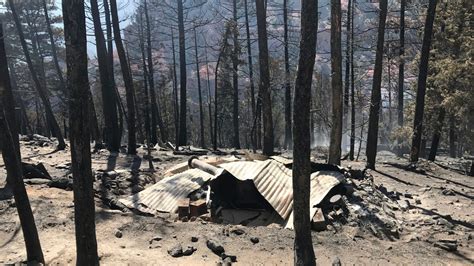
pixel 165 195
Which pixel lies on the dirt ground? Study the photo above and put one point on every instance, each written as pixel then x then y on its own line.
pixel 441 200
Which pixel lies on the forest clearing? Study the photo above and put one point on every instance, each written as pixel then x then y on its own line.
pixel 252 132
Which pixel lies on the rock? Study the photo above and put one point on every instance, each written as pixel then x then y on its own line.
pixel 189 251
pixel 448 192
pixel 448 246
pixel 215 246
pixel 404 205
pixel 156 239
pixel 176 251
pixel 185 219
pixel 118 234
pixel 238 231
pixel 336 262
pixel 230 258
pixel 408 196
pixel 227 261
pixel 254 240
pixel 418 201
pixel 335 199
pixel 194 239
pixel 192 219
pixel 444 222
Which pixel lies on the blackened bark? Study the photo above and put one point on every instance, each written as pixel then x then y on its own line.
pixel 401 65
pixel 336 84
pixel 10 147
pixel 437 135
pixel 347 67
pixel 175 92
pixel 264 86
pixel 39 87
pixel 288 133
pixel 250 64
pixel 216 74
pixel 78 84
pixel 127 78
pixel 304 253
pixel 109 103
pixel 452 136
pixel 201 111
pixel 209 102
pixel 353 114
pixel 183 137
pixel 372 134
pixel 421 87
pixel 156 117
pixel 235 78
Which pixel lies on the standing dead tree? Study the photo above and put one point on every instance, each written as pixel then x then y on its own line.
pixel 10 148
pixel 78 85
pixel 304 253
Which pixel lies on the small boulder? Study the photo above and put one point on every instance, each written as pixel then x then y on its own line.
pixel 215 246
pixel 176 251
pixel 238 231
pixel 194 239
pixel 118 234
pixel 254 240
pixel 189 250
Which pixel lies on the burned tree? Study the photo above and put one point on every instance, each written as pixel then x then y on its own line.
pixel 304 253
pixel 336 84
pixel 10 148
pixel 288 133
pixel 421 85
pixel 375 99
pixel 78 85
pixel 264 86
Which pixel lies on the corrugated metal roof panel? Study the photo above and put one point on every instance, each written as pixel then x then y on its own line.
pixel 321 183
pixel 164 196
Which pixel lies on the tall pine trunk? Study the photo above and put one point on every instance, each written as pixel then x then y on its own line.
pixel 127 79
pixel 175 92
pixel 401 64
pixel 209 100
pixel 288 133
pixel 183 137
pixel 437 134
pixel 336 84
pixel 156 117
pixel 10 148
pixel 235 78
pixel 353 113
pixel 421 87
pixel 78 84
pixel 347 78
pixel 42 91
pixel 109 103
pixel 264 86
pixel 375 99
pixel 303 247
pixel 201 111
pixel 250 65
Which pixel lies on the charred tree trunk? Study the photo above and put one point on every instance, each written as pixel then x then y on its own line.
pixel 437 135
pixel 347 72
pixel 304 253
pixel 235 78
pixel 78 84
pixel 421 87
pixel 353 113
pixel 156 117
pixel 373 130
pixel 127 78
pixel 10 147
pixel 452 137
pixel 264 87
pixel 39 87
pixel 183 138
pixel 288 133
pixel 215 99
pixel 209 102
pixel 250 64
pixel 336 84
pixel 175 92
pixel 112 134
pixel 401 66
pixel 201 111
